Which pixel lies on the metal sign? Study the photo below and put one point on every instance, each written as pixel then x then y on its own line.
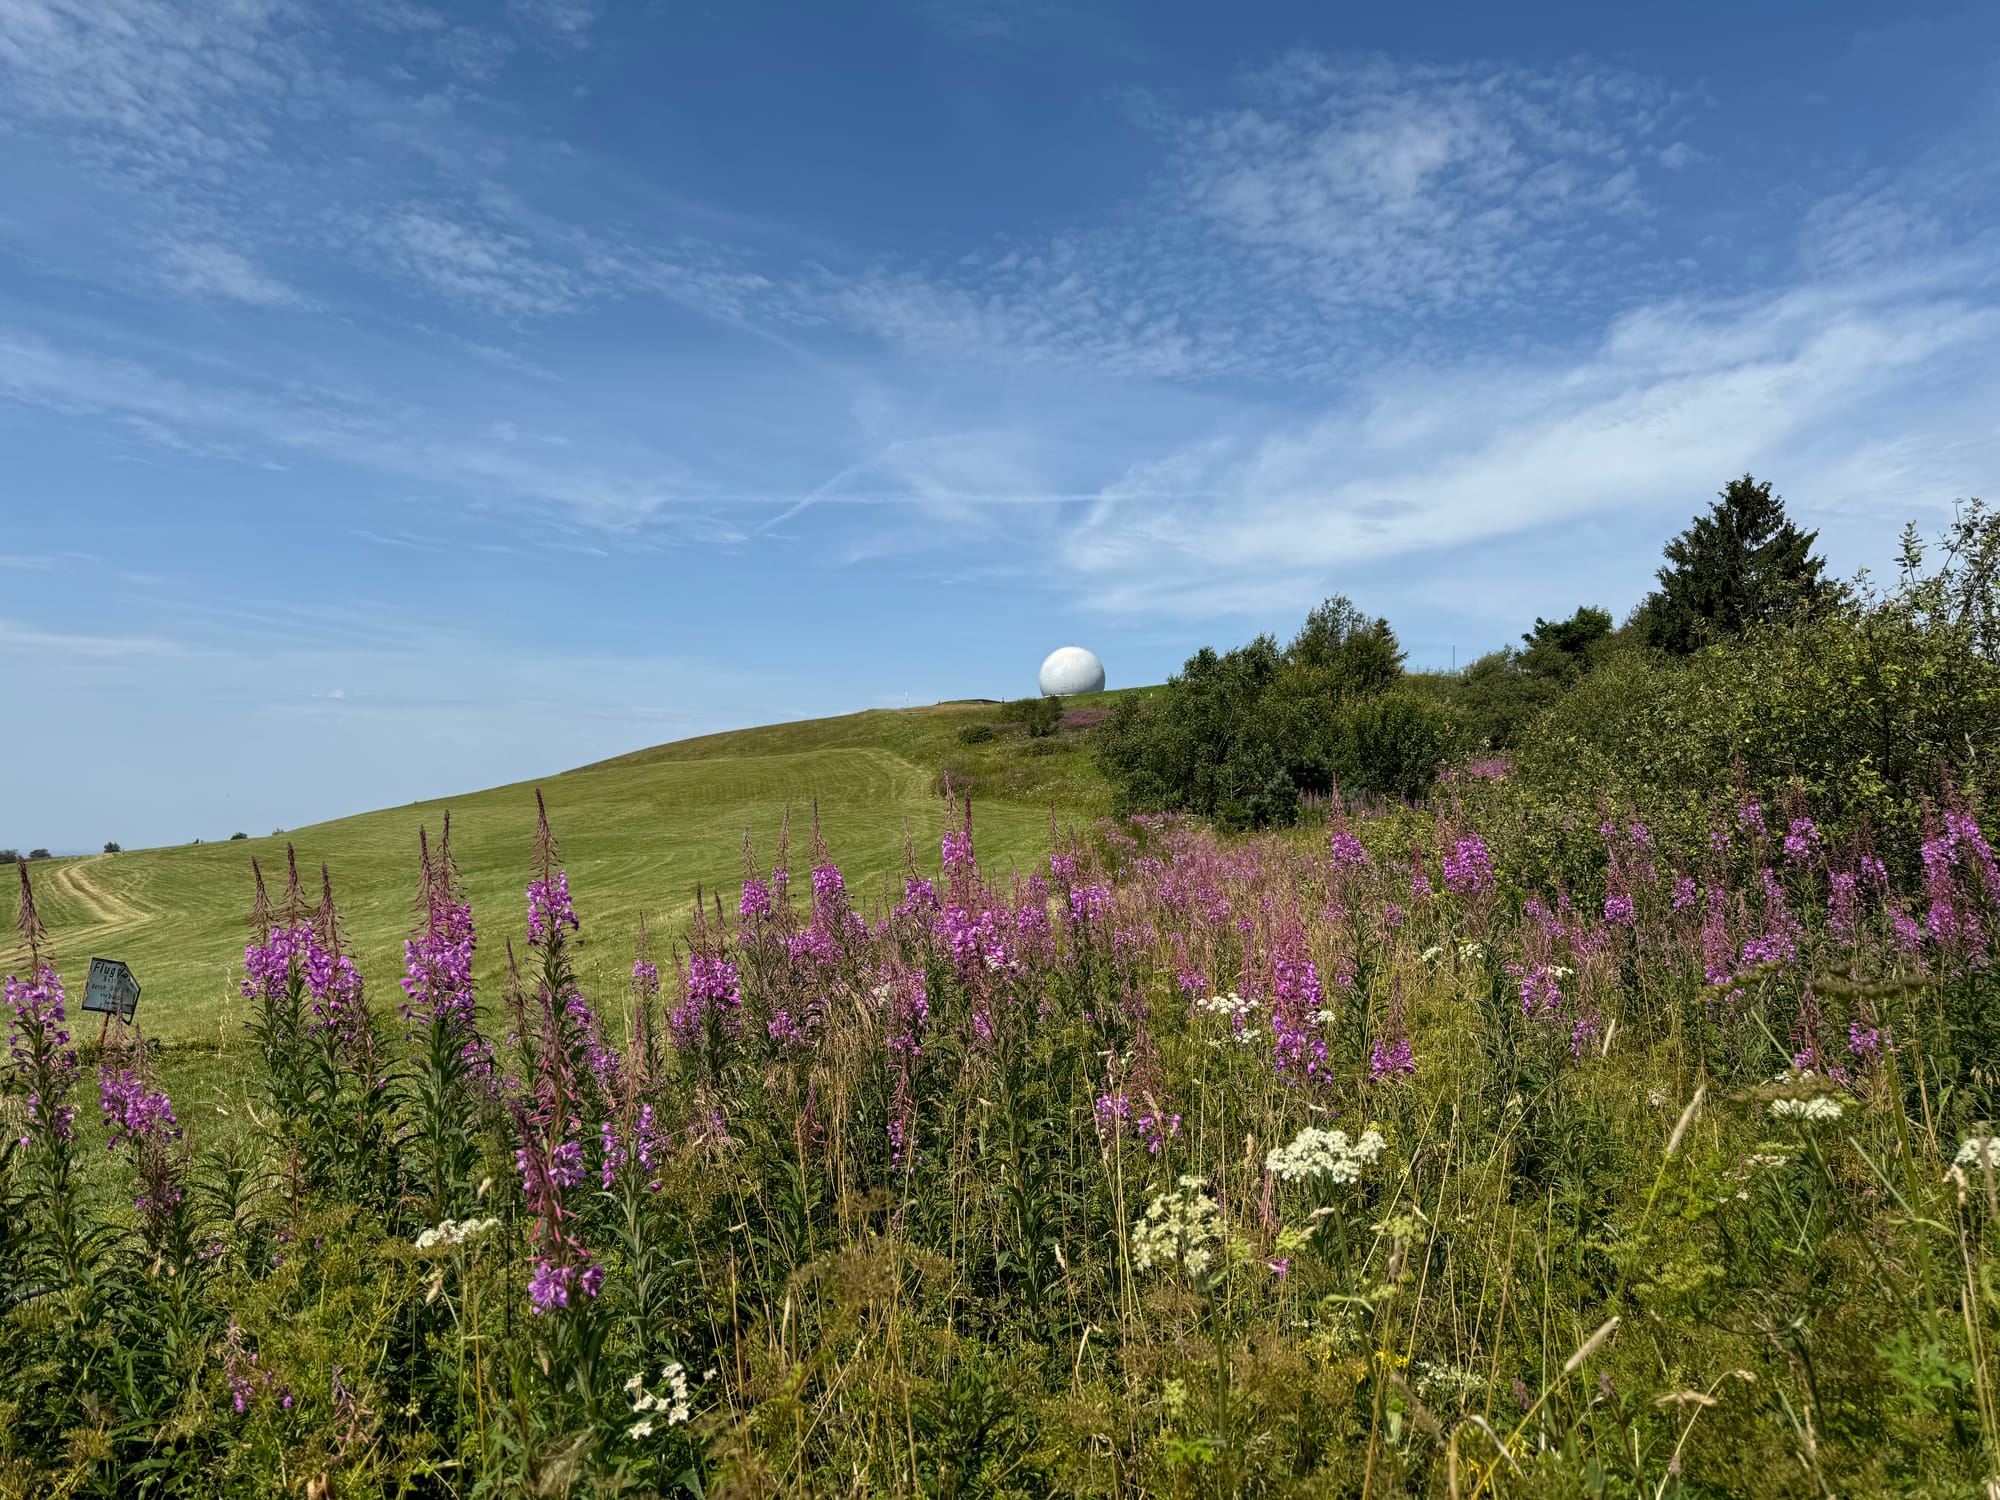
pixel 111 989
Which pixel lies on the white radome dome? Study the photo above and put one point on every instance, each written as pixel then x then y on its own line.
pixel 1070 670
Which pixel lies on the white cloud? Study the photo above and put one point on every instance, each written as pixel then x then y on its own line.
pixel 486 267
pixel 620 484
pixel 16 639
pixel 567 21
pixel 1346 206
pixel 214 271
pixel 1672 400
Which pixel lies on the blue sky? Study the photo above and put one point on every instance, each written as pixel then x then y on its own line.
pixel 397 399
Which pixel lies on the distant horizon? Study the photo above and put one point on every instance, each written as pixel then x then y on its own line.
pixel 413 395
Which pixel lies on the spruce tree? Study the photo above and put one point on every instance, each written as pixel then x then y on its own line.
pixel 1741 565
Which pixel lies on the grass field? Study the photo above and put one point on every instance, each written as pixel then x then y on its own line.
pixel 639 833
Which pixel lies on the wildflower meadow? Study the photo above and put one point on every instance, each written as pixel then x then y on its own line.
pixel 1389 1153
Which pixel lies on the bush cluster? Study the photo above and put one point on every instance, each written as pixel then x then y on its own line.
pixel 1240 737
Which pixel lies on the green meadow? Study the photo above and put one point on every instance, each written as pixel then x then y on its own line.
pixel 639 834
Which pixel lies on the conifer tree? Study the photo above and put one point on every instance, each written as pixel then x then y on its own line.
pixel 1743 564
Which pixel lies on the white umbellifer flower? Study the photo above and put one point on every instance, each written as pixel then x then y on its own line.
pixel 1429 954
pixel 1232 1005
pixel 1655 1098
pixel 1325 1017
pixel 1821 1108
pixel 1444 1384
pixel 1976 1154
pixel 454 1232
pixel 1325 1153
pixel 674 1404
pixel 1178 1230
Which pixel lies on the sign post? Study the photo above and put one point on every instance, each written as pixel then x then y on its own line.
pixel 112 990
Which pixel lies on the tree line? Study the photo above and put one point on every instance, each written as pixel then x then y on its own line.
pixel 1747 660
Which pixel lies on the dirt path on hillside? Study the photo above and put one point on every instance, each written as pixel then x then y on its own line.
pixel 107 913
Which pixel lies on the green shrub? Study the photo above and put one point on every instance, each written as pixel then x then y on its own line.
pixel 1394 744
pixel 1039 716
pixel 975 734
pixel 1870 711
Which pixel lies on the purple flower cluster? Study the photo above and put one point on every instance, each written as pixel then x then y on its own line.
pixel 1347 852
pixel 1155 1127
pixel 548 1288
pixel 1541 993
pixel 920 899
pixel 713 1007
pixel 756 900
pixel 1389 1059
pixel 645 1145
pixel 1089 903
pixel 1298 1050
pixel 828 884
pixel 549 908
pixel 132 1112
pixel 1468 868
pixel 39 1043
pixel 437 961
pixel 956 850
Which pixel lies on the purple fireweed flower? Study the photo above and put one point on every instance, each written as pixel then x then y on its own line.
pixel 1841 902
pixel 1618 911
pixel 713 1008
pixel 1152 1124
pixel 1865 1042
pixel 1468 868
pixel 1684 892
pixel 1062 867
pixel 956 849
pixel 1541 994
pixel 920 898
pixel 1966 834
pixel 38 1041
pixel 1774 947
pixel 756 900
pixel 1750 813
pixel 788 1030
pixel 974 938
pixel 828 884
pixel 1298 1051
pixel 813 943
pixel 132 1112
pixel 548 1288
pixel 1347 852
pixel 1089 903
pixel 549 908
pixel 1391 1058
pixel 1492 768
pixel 1420 886
pixel 1801 840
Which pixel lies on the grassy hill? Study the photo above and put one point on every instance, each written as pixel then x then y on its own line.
pixel 638 834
